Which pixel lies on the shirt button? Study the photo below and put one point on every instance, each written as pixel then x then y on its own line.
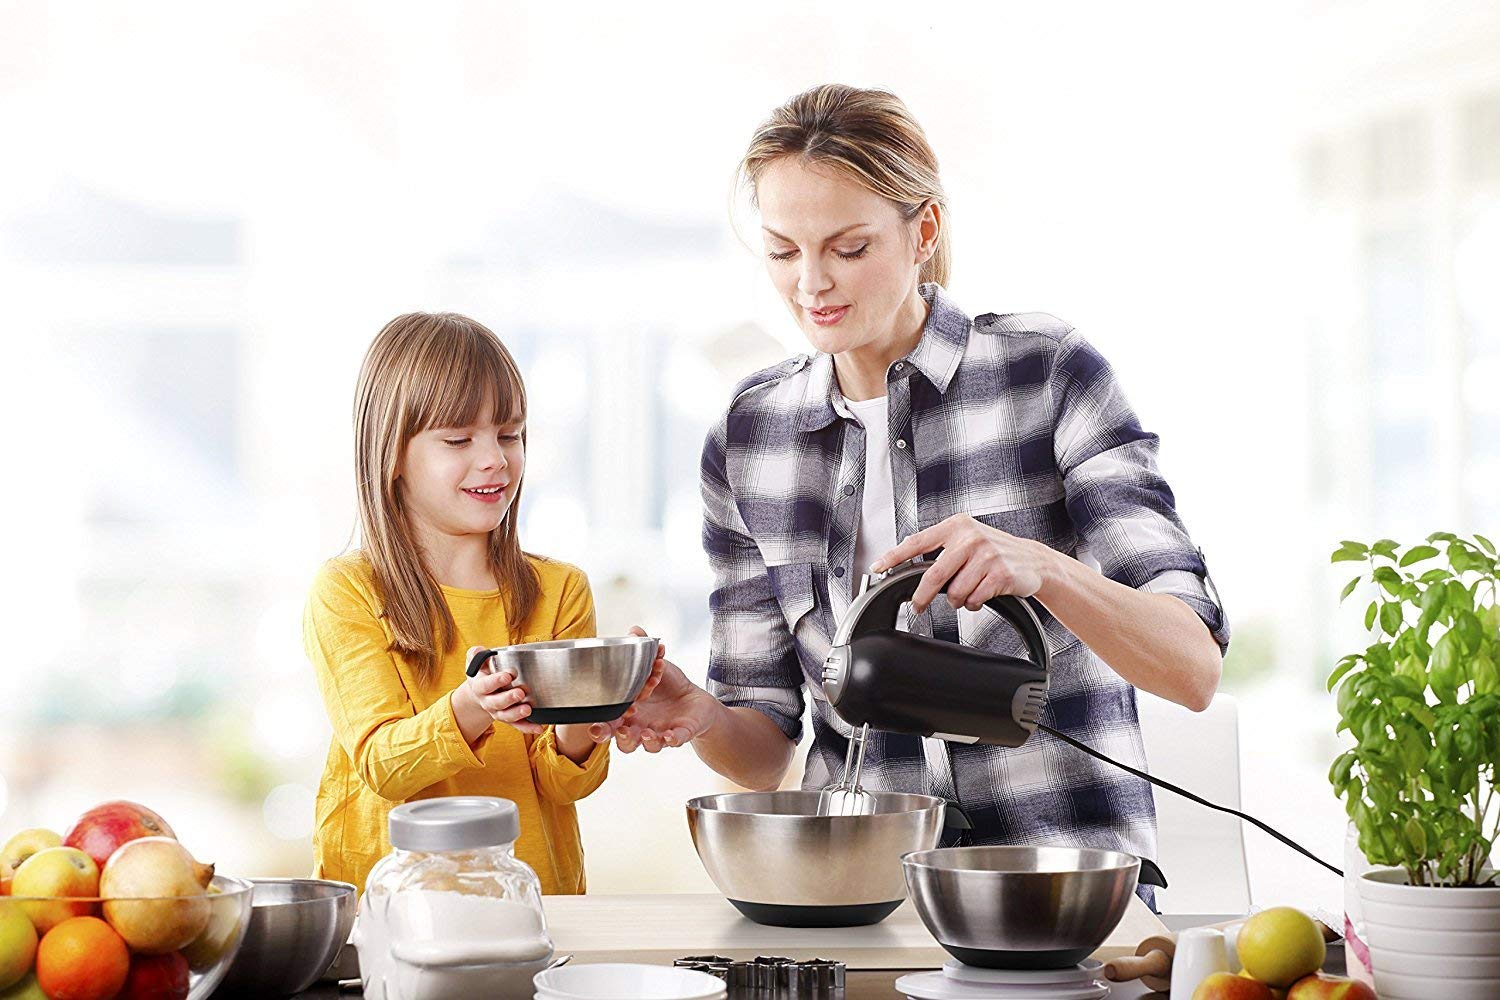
pixel 900 365
pixel 848 491
pixel 838 571
pixel 900 442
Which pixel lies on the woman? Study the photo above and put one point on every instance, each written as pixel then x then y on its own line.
pixel 1004 440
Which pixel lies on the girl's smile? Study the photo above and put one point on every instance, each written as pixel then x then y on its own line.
pixel 489 493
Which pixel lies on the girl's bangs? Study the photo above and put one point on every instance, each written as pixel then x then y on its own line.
pixel 475 383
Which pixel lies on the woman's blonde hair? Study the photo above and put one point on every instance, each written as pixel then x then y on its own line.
pixel 869 136
pixel 428 370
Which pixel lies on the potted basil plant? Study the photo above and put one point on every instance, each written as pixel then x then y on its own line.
pixel 1422 705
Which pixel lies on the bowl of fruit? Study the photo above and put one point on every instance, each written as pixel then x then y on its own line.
pixel 115 909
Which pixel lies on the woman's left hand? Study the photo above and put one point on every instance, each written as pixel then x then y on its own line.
pixel 977 563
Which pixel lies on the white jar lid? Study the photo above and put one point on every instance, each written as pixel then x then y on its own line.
pixel 455 823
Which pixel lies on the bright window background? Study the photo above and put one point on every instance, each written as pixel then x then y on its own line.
pixel 1283 229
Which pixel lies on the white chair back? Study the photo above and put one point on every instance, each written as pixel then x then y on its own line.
pixel 1200 850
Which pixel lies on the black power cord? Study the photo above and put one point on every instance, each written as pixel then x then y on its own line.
pixel 1189 795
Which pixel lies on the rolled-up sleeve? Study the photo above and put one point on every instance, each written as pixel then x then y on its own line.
pixel 753 658
pixel 1121 507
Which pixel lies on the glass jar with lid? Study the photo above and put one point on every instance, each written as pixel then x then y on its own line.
pixel 452 911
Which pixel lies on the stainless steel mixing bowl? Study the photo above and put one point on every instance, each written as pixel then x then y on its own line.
pixel 297 926
pixel 1020 907
pixel 579 680
pixel 781 863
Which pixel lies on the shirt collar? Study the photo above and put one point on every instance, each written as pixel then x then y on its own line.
pixel 937 355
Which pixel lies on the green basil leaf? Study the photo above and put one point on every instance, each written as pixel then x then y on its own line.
pixel 1390 617
pixel 1444 676
pixel 1345 665
pixel 1486 544
pixel 1417 554
pixel 1385 547
pixel 1432 602
pixel 1349 588
pixel 1459 598
pixel 1460 558
pixel 1486 675
pixel 1370 613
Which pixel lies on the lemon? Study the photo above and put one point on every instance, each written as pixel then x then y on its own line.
pixel 1280 945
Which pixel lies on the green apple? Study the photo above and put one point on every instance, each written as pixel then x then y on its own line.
pixel 26 989
pixel 17 943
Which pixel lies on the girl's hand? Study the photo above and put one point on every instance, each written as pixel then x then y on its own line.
pixel 977 563
pixel 499 696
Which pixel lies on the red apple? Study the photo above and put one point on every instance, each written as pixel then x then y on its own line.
pixel 154 896
pixel 1319 986
pixel 51 879
pixel 100 831
pixel 1228 986
pixel 156 977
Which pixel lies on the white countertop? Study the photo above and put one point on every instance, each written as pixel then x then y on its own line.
pixel 661 927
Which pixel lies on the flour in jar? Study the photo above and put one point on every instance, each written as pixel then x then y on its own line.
pixel 420 943
pixel 452 928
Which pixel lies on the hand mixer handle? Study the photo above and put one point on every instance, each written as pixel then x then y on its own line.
pixel 895 589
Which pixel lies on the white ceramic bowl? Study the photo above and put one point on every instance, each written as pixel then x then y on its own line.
pixel 619 981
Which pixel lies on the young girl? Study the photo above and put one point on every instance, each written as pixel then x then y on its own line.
pixel 440 448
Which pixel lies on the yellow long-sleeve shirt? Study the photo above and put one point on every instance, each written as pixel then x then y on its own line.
pixel 395 739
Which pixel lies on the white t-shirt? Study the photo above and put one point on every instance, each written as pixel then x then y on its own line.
pixel 877 519
pixel 877 536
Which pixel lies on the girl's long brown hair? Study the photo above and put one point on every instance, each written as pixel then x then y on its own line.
pixel 428 370
pixel 870 137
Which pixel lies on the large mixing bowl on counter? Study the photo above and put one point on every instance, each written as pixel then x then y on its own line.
pixel 1021 907
pixel 781 863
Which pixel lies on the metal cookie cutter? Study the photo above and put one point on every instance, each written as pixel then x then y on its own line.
pixel 773 977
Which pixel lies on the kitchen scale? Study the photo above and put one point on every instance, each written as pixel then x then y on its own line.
pixel 956 981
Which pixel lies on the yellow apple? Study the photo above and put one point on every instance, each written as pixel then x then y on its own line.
pixel 22 846
pixel 17 943
pixel 47 881
pixel 1280 945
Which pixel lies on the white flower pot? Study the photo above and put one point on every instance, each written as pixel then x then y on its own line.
pixel 1426 942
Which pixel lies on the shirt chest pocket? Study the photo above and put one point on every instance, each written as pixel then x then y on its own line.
pixel 792 585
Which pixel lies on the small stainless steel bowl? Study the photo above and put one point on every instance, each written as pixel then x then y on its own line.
pixel 1021 907
pixel 579 680
pixel 297 926
pixel 781 863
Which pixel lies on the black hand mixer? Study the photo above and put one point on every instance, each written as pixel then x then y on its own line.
pixel 877 677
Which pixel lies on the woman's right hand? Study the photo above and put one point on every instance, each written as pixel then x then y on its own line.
pixel 497 694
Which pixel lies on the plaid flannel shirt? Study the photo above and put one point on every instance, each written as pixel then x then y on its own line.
pixel 1017 421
